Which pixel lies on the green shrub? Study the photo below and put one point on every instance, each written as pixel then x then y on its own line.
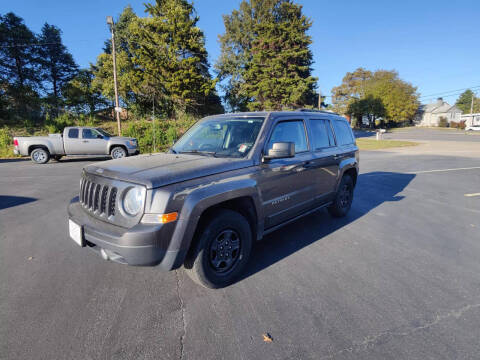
pixel 59 123
pixel 443 122
pixel 6 143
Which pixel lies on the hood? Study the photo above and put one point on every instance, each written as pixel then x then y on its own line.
pixel 163 169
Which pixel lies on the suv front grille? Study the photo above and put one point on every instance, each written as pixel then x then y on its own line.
pixel 98 199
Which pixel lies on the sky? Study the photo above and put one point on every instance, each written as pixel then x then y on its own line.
pixel 434 45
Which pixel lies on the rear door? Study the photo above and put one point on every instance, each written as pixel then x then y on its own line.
pixel 72 142
pixel 287 185
pixel 93 142
pixel 326 158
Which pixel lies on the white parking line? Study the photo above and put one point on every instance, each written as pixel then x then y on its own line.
pixel 442 170
pixel 471 195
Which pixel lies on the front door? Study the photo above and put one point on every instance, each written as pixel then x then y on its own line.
pixel 287 185
pixel 93 142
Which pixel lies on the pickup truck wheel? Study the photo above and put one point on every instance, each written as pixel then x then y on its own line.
pixel 40 156
pixel 223 250
pixel 118 152
pixel 344 197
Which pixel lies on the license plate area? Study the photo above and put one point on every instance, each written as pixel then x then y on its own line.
pixel 76 233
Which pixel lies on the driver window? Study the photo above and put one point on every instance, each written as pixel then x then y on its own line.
pixel 90 134
pixel 290 131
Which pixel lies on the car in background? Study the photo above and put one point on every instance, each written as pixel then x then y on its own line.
pixel 472 128
pixel 75 140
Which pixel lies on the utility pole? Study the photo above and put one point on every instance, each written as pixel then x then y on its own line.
pixel 319 99
pixel 117 106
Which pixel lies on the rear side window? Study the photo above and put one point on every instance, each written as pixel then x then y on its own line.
pixel 322 134
pixel 343 132
pixel 73 133
pixel 290 131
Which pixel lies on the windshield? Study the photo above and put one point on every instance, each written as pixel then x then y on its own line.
pixel 103 132
pixel 222 137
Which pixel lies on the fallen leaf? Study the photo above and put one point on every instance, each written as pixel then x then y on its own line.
pixel 267 337
pixel 30 258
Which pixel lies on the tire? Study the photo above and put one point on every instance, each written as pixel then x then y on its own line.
pixel 344 197
pixel 213 263
pixel 118 152
pixel 40 156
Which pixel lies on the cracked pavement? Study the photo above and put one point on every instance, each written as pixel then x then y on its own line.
pixel 398 278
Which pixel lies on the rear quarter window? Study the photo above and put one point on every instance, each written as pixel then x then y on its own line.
pixel 343 132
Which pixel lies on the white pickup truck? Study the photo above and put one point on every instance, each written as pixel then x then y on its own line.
pixel 77 140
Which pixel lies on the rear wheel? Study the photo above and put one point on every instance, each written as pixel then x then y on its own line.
pixel 40 156
pixel 118 152
pixel 222 251
pixel 344 197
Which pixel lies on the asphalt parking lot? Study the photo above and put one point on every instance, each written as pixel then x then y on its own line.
pixel 398 278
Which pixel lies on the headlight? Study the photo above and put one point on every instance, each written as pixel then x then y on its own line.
pixel 133 201
pixel 133 142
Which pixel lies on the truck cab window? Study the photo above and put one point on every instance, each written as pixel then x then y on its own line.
pixel 90 134
pixel 73 133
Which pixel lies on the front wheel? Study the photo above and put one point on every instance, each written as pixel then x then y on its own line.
pixel 222 252
pixel 118 152
pixel 344 197
pixel 40 156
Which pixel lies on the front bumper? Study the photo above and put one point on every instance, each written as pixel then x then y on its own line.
pixel 141 245
pixel 133 151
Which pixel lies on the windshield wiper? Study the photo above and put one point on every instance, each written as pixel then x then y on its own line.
pixel 199 152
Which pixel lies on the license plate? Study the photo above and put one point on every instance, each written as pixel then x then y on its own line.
pixel 76 232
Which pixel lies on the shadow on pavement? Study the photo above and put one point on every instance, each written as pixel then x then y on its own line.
pixel 86 158
pixel 7 201
pixel 372 190
pixel 13 160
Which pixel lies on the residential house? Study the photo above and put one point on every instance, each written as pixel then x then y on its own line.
pixel 430 114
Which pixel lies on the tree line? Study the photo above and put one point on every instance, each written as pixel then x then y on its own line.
pixel 162 62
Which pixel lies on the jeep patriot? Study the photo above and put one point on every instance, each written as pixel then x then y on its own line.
pixel 228 181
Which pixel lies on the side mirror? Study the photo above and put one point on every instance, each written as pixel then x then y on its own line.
pixel 281 150
pixel 99 137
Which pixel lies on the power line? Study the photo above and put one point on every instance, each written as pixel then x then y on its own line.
pixel 451 91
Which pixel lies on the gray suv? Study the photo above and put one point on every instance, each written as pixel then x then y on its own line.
pixel 227 182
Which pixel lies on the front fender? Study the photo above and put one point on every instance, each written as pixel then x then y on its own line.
pixel 198 200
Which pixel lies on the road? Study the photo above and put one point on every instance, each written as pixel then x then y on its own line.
pixel 426 134
pixel 398 278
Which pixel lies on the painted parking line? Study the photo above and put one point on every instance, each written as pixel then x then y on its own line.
pixel 472 195
pixel 443 170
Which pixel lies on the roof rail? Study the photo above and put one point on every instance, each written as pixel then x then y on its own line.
pixel 318 111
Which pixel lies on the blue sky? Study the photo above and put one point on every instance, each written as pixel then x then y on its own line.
pixel 432 44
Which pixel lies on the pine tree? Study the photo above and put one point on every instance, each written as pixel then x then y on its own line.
pixel 279 73
pixel 128 75
pixel 464 102
pixel 19 62
pixel 169 49
pixel 57 64
pixel 265 60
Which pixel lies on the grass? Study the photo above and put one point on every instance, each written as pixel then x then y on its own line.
pixel 370 144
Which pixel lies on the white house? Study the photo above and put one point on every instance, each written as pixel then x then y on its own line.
pixel 430 114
